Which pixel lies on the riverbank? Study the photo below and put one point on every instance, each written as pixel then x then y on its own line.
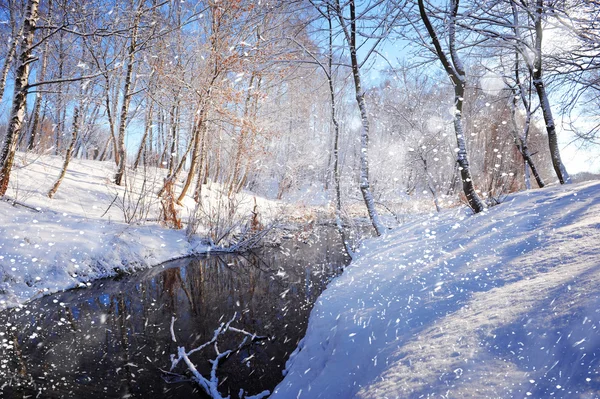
pixel 501 304
pixel 80 235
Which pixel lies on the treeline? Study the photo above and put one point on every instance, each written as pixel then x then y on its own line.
pixel 276 96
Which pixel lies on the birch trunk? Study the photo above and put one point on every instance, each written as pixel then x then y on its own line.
pixel 35 121
pixel 521 143
pixel 199 150
pixel 336 141
pixel 111 125
pixel 201 164
pixel 538 82
pixel 63 172
pixel 12 50
pixel 430 185
pixel 174 136
pixel 142 149
pixel 61 103
pixel 456 73
pixel 19 108
pixel 180 164
pixel 365 186
pixel 121 151
pixel 462 159
pixel 198 131
pixel 559 167
pixel 526 176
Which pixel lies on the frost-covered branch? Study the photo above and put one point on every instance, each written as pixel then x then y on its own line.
pixel 210 385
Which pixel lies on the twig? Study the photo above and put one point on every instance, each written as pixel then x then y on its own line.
pixel 111 204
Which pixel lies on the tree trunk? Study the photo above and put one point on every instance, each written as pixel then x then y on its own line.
pixel 121 150
pixel 19 108
pixel 102 155
pixel 559 167
pixel 198 132
pixel 456 73
pixel 235 176
pixel 250 148
pixel 336 141
pixel 35 120
pixel 111 125
pixel 462 159
pixel 526 175
pixel 15 35
pixel 61 103
pixel 364 183
pixel 63 172
pixel 180 164
pixel 521 142
pixel 199 138
pixel 430 185
pixel 142 150
pixel 538 82
pixel 174 136
pixel 201 163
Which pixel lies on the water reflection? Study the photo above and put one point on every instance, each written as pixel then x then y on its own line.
pixel 112 339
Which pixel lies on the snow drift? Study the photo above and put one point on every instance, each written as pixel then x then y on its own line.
pixel 500 304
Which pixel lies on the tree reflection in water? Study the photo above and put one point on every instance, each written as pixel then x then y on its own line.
pixel 111 339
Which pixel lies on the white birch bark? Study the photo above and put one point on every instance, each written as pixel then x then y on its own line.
pixel 63 172
pixel 538 82
pixel 19 108
pixel 364 184
pixel 456 73
pixel 121 150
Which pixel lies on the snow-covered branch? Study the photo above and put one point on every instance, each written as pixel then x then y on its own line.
pixel 210 385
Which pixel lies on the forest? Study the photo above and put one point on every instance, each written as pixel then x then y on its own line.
pixel 400 99
pixel 442 154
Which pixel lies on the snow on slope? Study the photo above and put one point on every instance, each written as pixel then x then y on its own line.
pixel 77 236
pixel 501 304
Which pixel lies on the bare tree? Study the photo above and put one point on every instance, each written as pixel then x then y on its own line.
pixel 519 26
pixel 15 33
pixel 63 171
pixel 349 29
pixel 455 70
pixel 521 136
pixel 536 68
pixel 127 88
pixel 18 110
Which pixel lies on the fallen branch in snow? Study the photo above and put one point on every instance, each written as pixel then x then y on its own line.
pixel 210 385
pixel 14 202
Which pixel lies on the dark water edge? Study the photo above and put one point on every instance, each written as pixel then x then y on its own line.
pixel 112 339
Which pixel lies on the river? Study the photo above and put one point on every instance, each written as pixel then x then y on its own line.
pixel 112 340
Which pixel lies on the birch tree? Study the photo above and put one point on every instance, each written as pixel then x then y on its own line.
pixel 15 33
pixel 18 109
pixel 519 26
pixel 537 69
pixel 127 89
pixel 349 30
pixel 454 68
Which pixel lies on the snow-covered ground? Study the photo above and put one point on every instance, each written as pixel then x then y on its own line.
pixel 500 304
pixel 78 236
pixel 503 304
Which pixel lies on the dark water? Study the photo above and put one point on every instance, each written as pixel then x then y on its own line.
pixel 112 340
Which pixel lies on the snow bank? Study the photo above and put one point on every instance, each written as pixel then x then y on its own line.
pixel 499 304
pixel 77 236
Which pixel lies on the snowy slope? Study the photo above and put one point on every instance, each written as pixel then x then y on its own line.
pixel 501 304
pixel 77 236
